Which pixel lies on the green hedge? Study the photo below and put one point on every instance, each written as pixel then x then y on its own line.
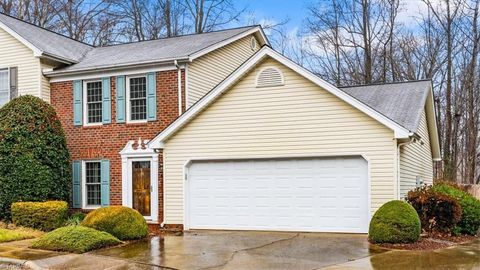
pixel 45 216
pixel 34 160
pixel 122 222
pixel 470 221
pixel 77 239
pixel 395 222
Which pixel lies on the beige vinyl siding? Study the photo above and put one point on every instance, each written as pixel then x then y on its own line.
pixel 297 119
pixel 209 70
pixel 14 54
pixel 416 160
pixel 45 83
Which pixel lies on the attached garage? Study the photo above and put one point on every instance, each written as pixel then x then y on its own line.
pixel 328 194
pixel 274 147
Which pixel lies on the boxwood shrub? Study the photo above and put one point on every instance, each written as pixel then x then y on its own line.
pixel 34 161
pixel 45 216
pixel 395 222
pixel 470 220
pixel 120 221
pixel 75 239
pixel 438 212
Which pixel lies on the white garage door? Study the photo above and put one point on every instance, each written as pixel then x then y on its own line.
pixel 308 194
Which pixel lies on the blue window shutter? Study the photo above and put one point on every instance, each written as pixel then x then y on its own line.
pixel 120 87
pixel 105 182
pixel 151 97
pixel 106 101
pixel 77 184
pixel 77 103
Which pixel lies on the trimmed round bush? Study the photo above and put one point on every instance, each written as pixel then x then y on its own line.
pixel 395 222
pixel 120 221
pixel 470 220
pixel 34 161
pixel 45 216
pixel 438 212
pixel 77 239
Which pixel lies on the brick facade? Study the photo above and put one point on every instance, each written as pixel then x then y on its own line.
pixel 106 141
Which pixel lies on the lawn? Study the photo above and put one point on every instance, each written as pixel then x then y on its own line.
pixel 7 235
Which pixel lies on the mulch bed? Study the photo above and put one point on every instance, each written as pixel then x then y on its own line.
pixel 430 242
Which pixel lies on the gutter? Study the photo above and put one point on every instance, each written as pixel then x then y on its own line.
pixel 179 86
pixel 53 74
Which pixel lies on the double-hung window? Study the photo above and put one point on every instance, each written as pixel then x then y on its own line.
pixel 93 102
pixel 137 99
pixel 92 184
pixel 4 86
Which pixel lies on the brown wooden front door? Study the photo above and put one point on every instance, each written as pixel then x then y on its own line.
pixel 141 187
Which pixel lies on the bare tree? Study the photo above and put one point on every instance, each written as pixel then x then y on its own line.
pixel 208 15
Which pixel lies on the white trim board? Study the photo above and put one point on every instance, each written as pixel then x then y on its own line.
pixel 210 97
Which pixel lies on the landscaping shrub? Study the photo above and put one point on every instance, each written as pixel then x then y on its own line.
pixel 122 222
pixel 7 235
pixel 438 212
pixel 470 220
pixel 75 219
pixel 395 222
pixel 76 239
pixel 45 216
pixel 34 161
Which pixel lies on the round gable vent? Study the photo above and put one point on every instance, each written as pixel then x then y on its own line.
pixel 269 76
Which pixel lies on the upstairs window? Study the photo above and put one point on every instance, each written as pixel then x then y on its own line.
pixel 4 87
pixel 137 99
pixel 93 102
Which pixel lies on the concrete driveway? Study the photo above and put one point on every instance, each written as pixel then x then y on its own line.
pixel 245 250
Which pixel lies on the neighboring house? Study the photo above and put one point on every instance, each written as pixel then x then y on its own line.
pixel 218 131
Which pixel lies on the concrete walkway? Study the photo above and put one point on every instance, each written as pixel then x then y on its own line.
pixel 247 250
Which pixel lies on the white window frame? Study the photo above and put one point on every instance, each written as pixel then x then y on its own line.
pixel 84 184
pixel 127 95
pixel 8 83
pixel 85 106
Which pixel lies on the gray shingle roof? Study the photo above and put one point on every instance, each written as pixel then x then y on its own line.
pixel 151 51
pixel 50 43
pixel 401 102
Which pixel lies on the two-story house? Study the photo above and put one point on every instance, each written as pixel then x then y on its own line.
pixel 219 131
pixel 112 100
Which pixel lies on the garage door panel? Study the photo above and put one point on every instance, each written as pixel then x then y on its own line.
pixel 315 194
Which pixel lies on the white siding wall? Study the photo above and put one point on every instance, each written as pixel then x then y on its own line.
pixel 416 160
pixel 297 119
pixel 209 70
pixel 14 53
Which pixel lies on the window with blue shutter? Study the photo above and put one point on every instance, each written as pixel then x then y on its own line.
pixel 77 103
pixel 120 93
pixel 151 97
pixel 77 184
pixel 106 101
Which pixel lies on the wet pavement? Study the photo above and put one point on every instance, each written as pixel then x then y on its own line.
pixel 249 250
pixel 245 250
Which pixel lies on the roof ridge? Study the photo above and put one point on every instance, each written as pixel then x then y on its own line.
pixel 43 28
pixel 387 83
pixel 179 36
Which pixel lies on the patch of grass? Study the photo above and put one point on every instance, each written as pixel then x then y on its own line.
pixel 7 235
pixel 76 239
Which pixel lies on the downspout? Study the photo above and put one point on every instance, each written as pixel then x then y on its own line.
pixel 411 140
pixel 179 77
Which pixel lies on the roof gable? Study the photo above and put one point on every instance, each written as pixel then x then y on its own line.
pixel 157 142
pixel 44 42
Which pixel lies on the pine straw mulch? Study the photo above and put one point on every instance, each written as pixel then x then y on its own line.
pixel 431 242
